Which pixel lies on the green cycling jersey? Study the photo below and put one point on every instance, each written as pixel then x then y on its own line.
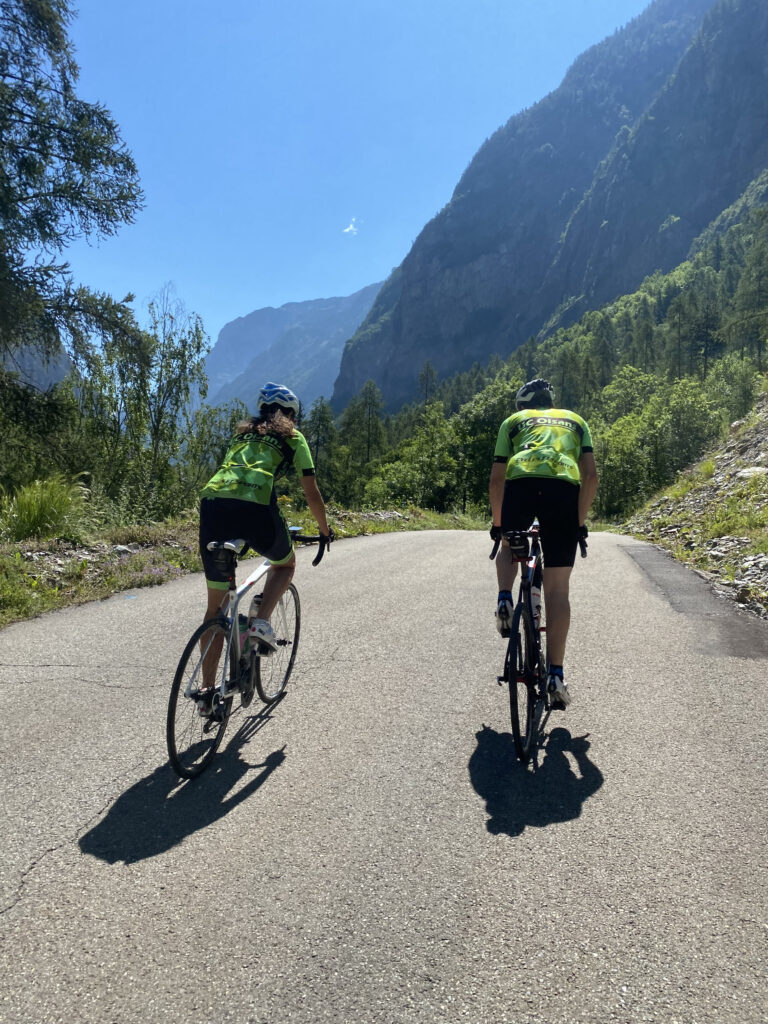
pixel 543 442
pixel 253 462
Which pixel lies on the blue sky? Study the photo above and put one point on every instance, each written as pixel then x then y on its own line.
pixel 294 149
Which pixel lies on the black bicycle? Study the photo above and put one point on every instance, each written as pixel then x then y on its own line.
pixel 525 671
pixel 221 649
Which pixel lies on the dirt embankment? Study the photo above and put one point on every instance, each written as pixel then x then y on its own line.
pixel 716 517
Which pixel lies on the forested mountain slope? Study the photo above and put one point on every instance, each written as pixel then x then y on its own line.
pixel 650 136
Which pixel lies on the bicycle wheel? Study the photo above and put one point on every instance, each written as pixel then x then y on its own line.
pixel 273 671
pixel 520 674
pixel 193 739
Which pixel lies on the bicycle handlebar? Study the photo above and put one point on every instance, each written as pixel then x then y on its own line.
pixel 323 541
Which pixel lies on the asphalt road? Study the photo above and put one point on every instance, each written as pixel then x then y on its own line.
pixel 371 851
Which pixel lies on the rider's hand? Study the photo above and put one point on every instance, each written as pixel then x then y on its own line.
pixel 583 531
pixel 496 533
pixel 328 537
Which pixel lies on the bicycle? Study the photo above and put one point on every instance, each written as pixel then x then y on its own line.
pixel 525 671
pixel 197 714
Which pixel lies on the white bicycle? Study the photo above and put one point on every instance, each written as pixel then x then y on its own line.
pixel 232 661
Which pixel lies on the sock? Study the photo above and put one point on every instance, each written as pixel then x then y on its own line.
pixel 556 670
pixel 505 595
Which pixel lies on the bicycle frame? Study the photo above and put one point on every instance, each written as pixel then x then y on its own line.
pixel 229 611
pixel 229 615
pixel 528 574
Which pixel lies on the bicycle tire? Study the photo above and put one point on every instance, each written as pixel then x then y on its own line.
pixel 272 672
pixel 193 740
pixel 520 674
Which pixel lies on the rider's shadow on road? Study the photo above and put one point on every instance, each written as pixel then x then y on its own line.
pixel 517 797
pixel 157 813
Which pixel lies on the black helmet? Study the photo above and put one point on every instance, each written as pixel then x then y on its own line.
pixel 536 394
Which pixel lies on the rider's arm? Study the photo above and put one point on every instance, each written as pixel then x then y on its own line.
pixel 588 489
pixel 315 502
pixel 496 490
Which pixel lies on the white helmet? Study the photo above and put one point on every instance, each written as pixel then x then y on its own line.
pixel 276 394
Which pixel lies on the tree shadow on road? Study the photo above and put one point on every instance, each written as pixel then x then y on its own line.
pixel 519 796
pixel 158 812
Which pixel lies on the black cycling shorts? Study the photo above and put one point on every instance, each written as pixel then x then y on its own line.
pixel 555 503
pixel 231 518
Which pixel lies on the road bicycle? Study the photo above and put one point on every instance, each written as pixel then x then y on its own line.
pixel 525 671
pixel 234 663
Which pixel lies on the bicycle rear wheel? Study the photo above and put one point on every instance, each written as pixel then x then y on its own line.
pixel 520 674
pixel 273 671
pixel 193 739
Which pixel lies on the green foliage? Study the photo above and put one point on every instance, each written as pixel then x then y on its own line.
pixel 623 466
pixel 64 173
pixel 37 429
pixel 421 471
pixel 322 436
pixel 132 393
pixel 44 508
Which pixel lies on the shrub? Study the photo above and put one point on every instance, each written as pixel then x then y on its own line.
pixel 45 508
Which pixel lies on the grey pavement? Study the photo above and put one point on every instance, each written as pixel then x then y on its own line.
pixel 369 850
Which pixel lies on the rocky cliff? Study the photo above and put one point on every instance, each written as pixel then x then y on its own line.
pixel 650 136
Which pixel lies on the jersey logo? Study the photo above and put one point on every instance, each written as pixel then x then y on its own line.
pixel 551 421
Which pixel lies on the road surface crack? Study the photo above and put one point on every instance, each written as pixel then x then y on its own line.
pixel 72 837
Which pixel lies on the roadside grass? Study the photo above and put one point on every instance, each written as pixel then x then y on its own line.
pixel 38 576
pixel 740 512
pixel 691 480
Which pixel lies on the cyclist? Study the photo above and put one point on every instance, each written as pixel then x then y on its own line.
pixel 239 501
pixel 543 469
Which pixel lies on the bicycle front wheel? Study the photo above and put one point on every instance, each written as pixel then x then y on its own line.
pixel 197 716
pixel 520 674
pixel 272 672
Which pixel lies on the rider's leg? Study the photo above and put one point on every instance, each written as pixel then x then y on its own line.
pixel 216 598
pixel 558 611
pixel 278 579
pixel 506 567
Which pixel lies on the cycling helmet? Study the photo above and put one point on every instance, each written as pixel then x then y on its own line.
pixel 536 394
pixel 276 394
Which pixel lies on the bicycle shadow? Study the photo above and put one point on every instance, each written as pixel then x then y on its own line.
pixel 159 812
pixel 516 797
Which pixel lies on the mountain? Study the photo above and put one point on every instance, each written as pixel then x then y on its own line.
pixel 652 134
pixel 299 344
pixel 36 370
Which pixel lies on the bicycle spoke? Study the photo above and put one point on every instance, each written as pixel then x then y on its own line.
pixel 272 672
pixel 193 738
